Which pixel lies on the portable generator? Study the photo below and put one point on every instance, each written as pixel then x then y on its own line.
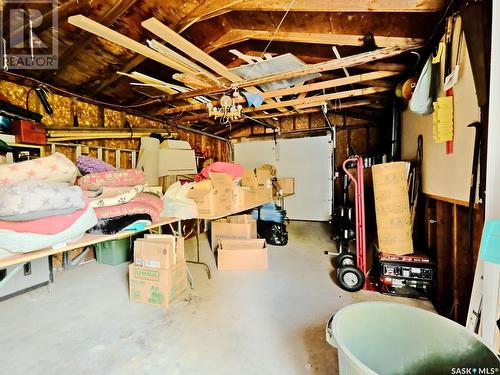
pixel 406 275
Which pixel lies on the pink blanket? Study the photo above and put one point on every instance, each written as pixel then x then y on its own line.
pixel 48 225
pixel 233 169
pixel 143 203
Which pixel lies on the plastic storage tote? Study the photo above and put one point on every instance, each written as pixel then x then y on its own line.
pixel 114 252
pixel 389 338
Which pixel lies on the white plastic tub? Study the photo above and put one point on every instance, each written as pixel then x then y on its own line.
pixel 389 338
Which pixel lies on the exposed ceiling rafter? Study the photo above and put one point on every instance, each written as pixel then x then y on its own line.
pixel 235 36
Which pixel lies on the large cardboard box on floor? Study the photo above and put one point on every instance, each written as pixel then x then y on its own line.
pixel 214 195
pixel 157 286
pixel 392 208
pixel 237 227
pixel 242 255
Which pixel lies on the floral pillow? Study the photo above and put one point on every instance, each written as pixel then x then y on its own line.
pixel 143 203
pixel 118 178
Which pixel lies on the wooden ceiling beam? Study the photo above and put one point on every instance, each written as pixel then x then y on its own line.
pixel 345 62
pixel 341 5
pixel 107 20
pixel 213 8
pixel 260 116
pixel 138 59
pixel 208 9
pixel 167 34
pixel 104 32
pixel 235 36
pixel 316 99
pixel 298 89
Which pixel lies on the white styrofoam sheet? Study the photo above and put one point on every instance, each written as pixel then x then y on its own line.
pixel 306 159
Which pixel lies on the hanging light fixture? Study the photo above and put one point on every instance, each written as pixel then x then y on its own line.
pixel 229 108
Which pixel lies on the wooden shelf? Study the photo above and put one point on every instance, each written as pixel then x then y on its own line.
pixel 219 215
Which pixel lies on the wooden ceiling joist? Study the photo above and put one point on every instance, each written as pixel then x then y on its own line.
pixel 208 9
pixel 295 90
pixel 341 5
pixel 214 8
pixel 115 37
pixel 345 62
pixel 319 98
pixel 260 116
pixel 235 36
pixel 165 33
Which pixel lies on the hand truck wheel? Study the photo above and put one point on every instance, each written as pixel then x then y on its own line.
pixel 345 259
pixel 350 278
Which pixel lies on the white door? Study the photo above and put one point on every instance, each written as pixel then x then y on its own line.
pixel 306 159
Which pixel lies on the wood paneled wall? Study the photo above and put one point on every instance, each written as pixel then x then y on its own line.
pixel 442 234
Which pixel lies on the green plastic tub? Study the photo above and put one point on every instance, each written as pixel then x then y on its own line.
pixel 114 252
pixel 390 338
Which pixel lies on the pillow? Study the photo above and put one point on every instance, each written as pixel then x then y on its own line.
pixel 143 203
pixel 33 195
pixel 115 196
pixel 26 242
pixel 56 167
pixel 118 178
pixel 47 225
pixel 87 164
pixel 38 215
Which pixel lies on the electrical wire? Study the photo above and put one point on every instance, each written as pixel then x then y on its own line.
pixel 87 99
pixel 272 38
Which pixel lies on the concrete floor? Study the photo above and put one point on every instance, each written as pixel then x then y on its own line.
pixel 251 322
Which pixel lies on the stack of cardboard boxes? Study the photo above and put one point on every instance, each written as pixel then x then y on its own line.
pixel 235 240
pixel 220 193
pixel 158 273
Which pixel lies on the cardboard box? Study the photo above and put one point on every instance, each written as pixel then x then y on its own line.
pixel 177 280
pixel 249 179
pixel 287 185
pixel 157 286
pixel 213 196
pixel 392 208
pixel 242 255
pixel 152 253
pixel 176 242
pixel 238 227
pixel 248 197
pixel 148 285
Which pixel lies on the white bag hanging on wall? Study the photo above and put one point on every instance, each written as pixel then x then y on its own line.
pixel 421 101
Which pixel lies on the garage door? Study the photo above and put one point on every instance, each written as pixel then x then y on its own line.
pixel 306 159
